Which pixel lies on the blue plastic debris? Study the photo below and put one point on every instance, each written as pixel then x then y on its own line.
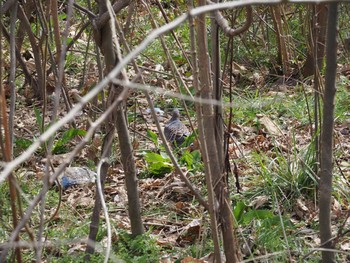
pixel 77 176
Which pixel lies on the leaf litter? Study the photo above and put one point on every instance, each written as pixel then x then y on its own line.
pixel 168 207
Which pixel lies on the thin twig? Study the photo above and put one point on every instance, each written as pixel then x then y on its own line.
pixel 123 63
pixel 160 131
pixel 59 170
pixel 104 208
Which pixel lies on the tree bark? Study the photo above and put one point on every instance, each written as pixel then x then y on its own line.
pixel 38 90
pixel 317 40
pixel 281 36
pixel 220 209
pixel 217 91
pixel 325 195
pixel 110 51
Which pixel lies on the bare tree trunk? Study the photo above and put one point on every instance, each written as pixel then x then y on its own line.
pixel 95 218
pixel 57 37
pixel 6 125
pixel 314 64
pixel 109 49
pixel 128 161
pixel 317 39
pixel 283 55
pixel 28 7
pixel 220 209
pixel 225 218
pixel 204 73
pixel 217 91
pixel 325 195
pixel 38 90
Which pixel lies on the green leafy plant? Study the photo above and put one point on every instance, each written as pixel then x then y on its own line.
pixel 287 178
pixel 268 226
pixel 142 248
pixel 158 165
pixel 189 140
pixel 153 136
pixel 342 106
pixel 270 232
pixel 193 160
pixel 245 214
pixel 76 258
pixel 60 145
pixel 39 120
pixel 21 144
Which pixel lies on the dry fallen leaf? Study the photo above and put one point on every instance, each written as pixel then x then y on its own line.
pixel 191 260
pixel 259 201
pixel 190 233
pixel 270 126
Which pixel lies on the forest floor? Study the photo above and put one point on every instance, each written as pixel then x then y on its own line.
pixel 269 149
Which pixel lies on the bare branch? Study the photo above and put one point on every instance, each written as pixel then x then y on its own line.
pixel 127 59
